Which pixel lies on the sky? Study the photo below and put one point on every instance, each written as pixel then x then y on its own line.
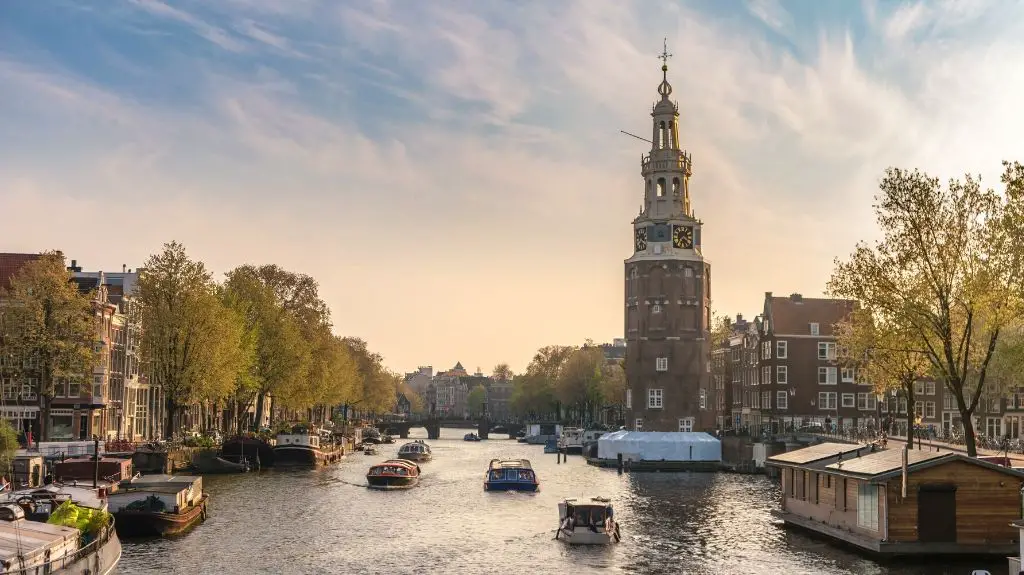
pixel 453 173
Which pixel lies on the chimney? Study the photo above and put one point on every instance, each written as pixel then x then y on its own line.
pixel 767 295
pixel 796 297
pixel 74 263
pixel 739 318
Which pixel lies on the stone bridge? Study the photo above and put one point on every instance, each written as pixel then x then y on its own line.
pixel 483 427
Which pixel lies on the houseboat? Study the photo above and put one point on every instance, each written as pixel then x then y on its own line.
pixel 901 502
pixel 304 446
pixel 393 474
pixel 55 539
pixel 511 475
pixel 250 450
pixel 415 451
pixel 587 521
pixel 158 505
pixel 541 433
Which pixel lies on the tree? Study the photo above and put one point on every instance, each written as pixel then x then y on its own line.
pixel 721 329
pixel 50 323
pixel 947 269
pixel 533 393
pixel 881 352
pixel 377 388
pixel 416 402
pixel 502 372
pixel 613 384
pixel 191 342
pixel 579 381
pixel 476 399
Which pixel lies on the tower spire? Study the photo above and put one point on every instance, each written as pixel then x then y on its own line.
pixel 665 89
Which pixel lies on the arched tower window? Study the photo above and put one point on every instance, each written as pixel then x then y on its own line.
pixel 661 187
pixel 662 136
pixel 675 186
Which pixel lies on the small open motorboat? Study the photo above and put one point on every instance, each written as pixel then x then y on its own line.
pixel 587 521
pixel 370 449
pixel 471 437
pixel 393 474
pixel 511 475
pixel 415 451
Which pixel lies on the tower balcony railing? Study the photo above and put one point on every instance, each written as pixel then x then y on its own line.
pixel 681 161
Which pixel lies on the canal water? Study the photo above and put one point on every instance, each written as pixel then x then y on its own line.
pixel 326 521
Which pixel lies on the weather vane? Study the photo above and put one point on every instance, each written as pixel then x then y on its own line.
pixel 664 56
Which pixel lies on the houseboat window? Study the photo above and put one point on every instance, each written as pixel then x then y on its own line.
pixel 828 481
pixel 867 506
pixel 841 494
pixel 814 488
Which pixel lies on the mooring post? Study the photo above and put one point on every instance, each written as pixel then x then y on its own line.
pixel 618 458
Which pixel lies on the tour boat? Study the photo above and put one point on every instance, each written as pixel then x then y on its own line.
pixel 306 447
pixel 587 521
pixel 52 542
pixel 511 475
pixel 158 505
pixel 415 451
pixel 393 474
pixel 471 437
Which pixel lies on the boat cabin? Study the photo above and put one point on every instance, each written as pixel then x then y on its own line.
pixel 28 470
pixel 299 439
pixel 414 448
pixel 585 511
pixel 84 469
pixel 395 467
pixel 511 475
pixel 901 502
pixel 27 546
pixel 175 492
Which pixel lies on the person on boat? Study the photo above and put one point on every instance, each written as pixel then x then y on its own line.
pixel 4 484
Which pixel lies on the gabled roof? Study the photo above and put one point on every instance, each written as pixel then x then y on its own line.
pixel 792 315
pixel 814 453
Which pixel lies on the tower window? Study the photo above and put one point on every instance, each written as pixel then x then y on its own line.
pixel 662 136
pixel 675 186
pixel 661 187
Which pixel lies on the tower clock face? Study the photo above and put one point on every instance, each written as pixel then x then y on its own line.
pixel 682 237
pixel 640 239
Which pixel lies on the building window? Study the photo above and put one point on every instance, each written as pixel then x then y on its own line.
pixel 781 349
pixel 994 427
pixel 661 364
pixel 866 401
pixel 766 399
pixel 766 350
pixel 685 424
pixel 826 350
pixel 826 376
pixel 919 408
pixel 629 399
pixel 948 403
pixel 766 374
pixel 901 405
pixel 848 375
pixel 918 388
pixel 703 399
pixel 814 329
pixel 929 388
pixel 656 308
pixel 867 506
pixel 781 400
pixel 827 400
pixel 849 400
pixel 654 397
pixel 781 374
pixel 929 409
pixel 638 425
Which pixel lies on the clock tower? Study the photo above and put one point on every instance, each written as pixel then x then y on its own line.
pixel 668 290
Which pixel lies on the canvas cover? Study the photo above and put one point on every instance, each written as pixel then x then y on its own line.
pixel 659 446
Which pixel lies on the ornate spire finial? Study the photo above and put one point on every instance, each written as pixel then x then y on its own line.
pixel 664 56
pixel 665 89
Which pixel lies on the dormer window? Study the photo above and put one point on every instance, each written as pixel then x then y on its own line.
pixel 814 328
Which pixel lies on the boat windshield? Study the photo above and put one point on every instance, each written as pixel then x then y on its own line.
pixel 389 470
pixel 589 515
pixel 511 474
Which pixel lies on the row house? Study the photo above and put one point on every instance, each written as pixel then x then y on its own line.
pixel 19 376
pixel 802 382
pixel 998 415
pixel 734 367
pixel 448 394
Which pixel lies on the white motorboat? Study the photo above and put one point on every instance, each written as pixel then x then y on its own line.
pixel 587 521
pixel 571 440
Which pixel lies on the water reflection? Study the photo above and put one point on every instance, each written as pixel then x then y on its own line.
pixel 327 521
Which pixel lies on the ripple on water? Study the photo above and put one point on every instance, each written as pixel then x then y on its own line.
pixel 326 521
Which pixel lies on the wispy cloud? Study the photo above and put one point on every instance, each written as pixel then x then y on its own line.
pixel 457 167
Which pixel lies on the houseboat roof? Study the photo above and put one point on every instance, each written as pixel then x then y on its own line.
pixel 401 462
pixel 888 463
pixel 22 537
pixel 506 463
pixel 814 453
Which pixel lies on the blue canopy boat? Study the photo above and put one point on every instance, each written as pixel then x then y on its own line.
pixel 511 475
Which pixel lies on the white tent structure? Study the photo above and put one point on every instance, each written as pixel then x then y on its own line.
pixel 659 446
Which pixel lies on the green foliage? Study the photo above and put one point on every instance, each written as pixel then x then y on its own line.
pixel 579 378
pixel 945 279
pixel 8 444
pixel 475 400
